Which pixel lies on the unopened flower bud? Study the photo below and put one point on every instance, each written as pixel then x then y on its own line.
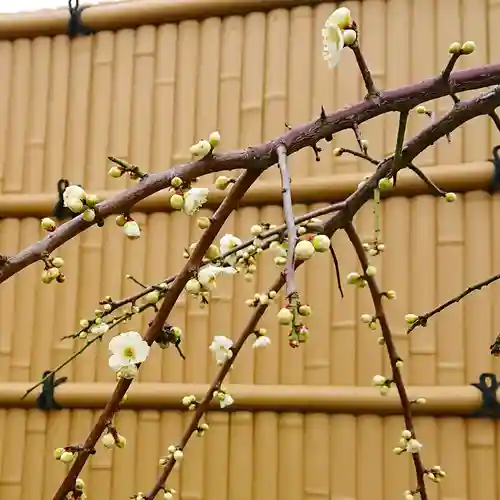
pixel 193 286
pixel 285 316
pixel 385 184
pixel 305 310
pixel 455 48
pixel 152 297
pixel 337 152
pixel 132 230
pixel 450 197
pixel 66 457
pixel 304 250
pixel 421 109
pixel 115 172
pixel 48 224
pixel 214 138
pixel 411 318
pixel 177 202
pixel 350 37
pixel 176 182
pixel 212 252
pixel 371 271
pixel 203 222
pixel 108 440
pixel 366 318
pixel 200 149
pixel 353 278
pixel 256 230
pixel 468 47
pixel 89 215
pixel 321 243
pixel 57 262
pixel 178 454
pixel 75 205
pixel 222 182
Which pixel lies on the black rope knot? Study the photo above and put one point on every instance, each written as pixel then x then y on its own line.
pixel 45 400
pixel 75 24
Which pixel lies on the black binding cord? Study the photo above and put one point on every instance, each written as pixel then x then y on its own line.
pixel 45 400
pixel 75 24
pixel 488 385
pixel 495 180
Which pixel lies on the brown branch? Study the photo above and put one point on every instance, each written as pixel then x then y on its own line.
pixel 204 404
pixel 397 378
pixel 433 187
pixel 461 113
pixel 218 219
pixel 496 119
pixel 337 269
pixel 291 289
pixel 373 93
pixel 263 156
pixel 422 319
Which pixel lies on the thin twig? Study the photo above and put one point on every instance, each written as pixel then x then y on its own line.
pixel 403 120
pixel 291 289
pixel 422 319
pixel 496 119
pixel 376 295
pixel 445 74
pixel 337 269
pixel 373 93
pixel 363 156
pixel 437 190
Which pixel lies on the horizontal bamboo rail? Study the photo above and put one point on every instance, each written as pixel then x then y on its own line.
pixel 120 15
pixel 441 400
pixel 457 178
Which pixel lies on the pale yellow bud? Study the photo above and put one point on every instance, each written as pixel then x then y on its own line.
pixel 152 297
pixel 421 110
pixel 222 182
pixel 177 202
pixel 285 316
pixel 214 138
pixel 48 224
pixel 350 37
pixel 176 182
pixel 455 48
pixel 115 172
pixel 385 184
pixel 450 197
pixel 468 47
pixel 203 222
pixel 57 262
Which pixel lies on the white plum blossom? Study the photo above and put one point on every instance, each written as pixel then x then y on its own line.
pixel 227 243
pixel 333 35
pixel 127 349
pixel 73 192
pixel 194 199
pixel 221 348
pixel 227 400
pixel 132 230
pixel 414 446
pixel 261 341
pixel 99 329
pixel 208 274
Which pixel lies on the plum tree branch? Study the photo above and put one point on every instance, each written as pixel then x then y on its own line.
pixel 223 212
pixel 397 378
pixel 263 156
